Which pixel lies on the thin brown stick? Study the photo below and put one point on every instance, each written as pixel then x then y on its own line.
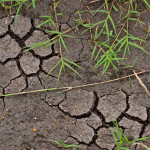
pixel 141 144
pixel 64 89
pixel 142 84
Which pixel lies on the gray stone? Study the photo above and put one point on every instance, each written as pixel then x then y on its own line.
pixel 37 37
pixel 147 134
pixel 77 102
pixel 29 63
pixel 112 105
pixel 132 128
pixel 22 26
pixel 93 121
pixel 4 22
pixel 16 85
pixel 141 99
pixel 136 109
pixel 8 48
pixel 52 97
pixel 82 131
pixel 105 139
pixel 8 72
pixel 50 63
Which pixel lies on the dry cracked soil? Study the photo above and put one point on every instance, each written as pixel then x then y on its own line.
pixel 80 116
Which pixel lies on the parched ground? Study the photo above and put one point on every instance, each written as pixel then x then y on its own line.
pixel 81 116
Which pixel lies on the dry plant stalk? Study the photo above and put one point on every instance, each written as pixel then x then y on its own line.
pixel 92 2
pixel 142 84
pixel 143 145
pixel 64 89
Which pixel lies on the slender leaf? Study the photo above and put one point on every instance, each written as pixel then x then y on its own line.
pixel 54 67
pixel 93 51
pixel 139 47
pixel 72 69
pixel 63 43
pixel 147 4
pixel 113 24
pixel 71 62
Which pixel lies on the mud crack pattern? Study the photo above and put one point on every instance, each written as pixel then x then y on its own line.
pixel 81 116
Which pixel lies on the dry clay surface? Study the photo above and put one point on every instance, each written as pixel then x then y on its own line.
pixel 81 116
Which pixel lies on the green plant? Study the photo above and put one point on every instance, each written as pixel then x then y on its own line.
pixel 61 144
pixel 121 139
pixel 148 31
pixel 146 3
pixel 105 52
pixel 18 3
pixel 59 37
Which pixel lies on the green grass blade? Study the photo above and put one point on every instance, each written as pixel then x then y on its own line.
pixel 121 134
pixel 116 141
pixel 106 45
pixel 54 67
pixel 71 62
pixel 135 60
pixel 106 4
pixel 42 23
pixel 139 47
pixel 33 3
pixel 126 47
pixel 107 31
pixel 63 43
pixel 17 13
pixel 131 2
pixel 54 32
pixel 124 42
pixel 93 52
pixel 131 82
pixel 58 143
pixel 44 16
pixel 99 32
pixel 124 148
pixel 135 38
pixel 80 12
pixel 51 21
pixel 72 69
pixel 33 46
pixel 134 19
pixel 103 11
pixel 51 43
pixel 57 3
pixel 99 61
pixel 97 23
pixel 115 8
pixel 96 30
pixel 113 24
pixel 98 53
pixel 140 139
pixel 147 4
pixel 60 70
pixel 106 65
pixel 70 36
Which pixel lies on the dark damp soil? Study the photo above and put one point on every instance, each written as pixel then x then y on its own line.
pixel 80 116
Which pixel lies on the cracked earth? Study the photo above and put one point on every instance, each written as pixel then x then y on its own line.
pixel 81 116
